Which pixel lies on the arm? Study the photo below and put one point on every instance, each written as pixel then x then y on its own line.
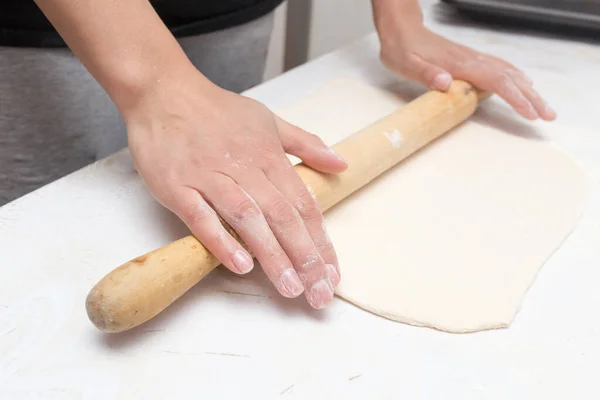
pixel 408 48
pixel 206 153
pixel 123 44
pixel 391 12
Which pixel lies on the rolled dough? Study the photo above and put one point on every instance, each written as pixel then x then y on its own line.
pixel 452 237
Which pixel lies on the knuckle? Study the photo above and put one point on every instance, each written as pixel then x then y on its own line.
pixel 500 77
pixel 243 209
pixel 501 82
pixel 307 209
pixel 311 261
pixel 197 214
pixel 282 213
pixel 411 58
pixel 411 63
pixel 294 145
pixel 271 156
pixel 315 138
pixel 325 246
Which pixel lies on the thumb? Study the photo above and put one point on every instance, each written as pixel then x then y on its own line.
pixel 428 74
pixel 309 148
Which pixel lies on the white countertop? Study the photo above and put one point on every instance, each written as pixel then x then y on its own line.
pixel 57 242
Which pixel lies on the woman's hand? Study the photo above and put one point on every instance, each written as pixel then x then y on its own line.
pixel 204 151
pixel 409 49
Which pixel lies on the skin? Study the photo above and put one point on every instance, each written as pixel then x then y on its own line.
pixel 206 153
pixel 411 50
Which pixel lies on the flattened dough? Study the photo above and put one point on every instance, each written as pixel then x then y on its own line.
pixel 453 237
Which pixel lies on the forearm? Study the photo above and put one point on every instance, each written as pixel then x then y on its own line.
pixel 123 44
pixel 396 15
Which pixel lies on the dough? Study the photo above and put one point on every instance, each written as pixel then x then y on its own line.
pixel 452 237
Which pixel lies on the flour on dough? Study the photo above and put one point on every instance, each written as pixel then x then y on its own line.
pixel 453 237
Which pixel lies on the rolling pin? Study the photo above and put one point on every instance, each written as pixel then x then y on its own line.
pixel 138 290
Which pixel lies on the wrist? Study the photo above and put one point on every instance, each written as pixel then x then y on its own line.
pixel 177 91
pixel 133 81
pixel 395 19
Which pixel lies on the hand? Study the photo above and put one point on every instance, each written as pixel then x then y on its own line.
pixel 421 55
pixel 203 151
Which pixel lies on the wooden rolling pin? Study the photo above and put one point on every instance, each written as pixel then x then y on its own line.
pixel 138 290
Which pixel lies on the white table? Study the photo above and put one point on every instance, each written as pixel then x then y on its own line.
pixel 233 337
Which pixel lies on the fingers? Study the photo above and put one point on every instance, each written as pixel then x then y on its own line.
pixel 515 72
pixel 510 83
pixel 204 224
pixel 487 76
pixel 525 85
pixel 289 184
pixel 278 219
pixel 434 61
pixel 245 216
pixel 541 107
pixel 309 148
pixel 430 75
pixel 288 227
pixel 506 88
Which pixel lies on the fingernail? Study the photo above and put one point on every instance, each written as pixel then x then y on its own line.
pixel 442 81
pixel 320 294
pixel 291 283
pixel 242 261
pixel 334 276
